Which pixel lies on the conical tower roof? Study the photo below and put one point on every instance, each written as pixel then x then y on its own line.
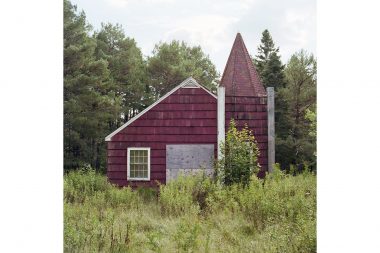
pixel 240 77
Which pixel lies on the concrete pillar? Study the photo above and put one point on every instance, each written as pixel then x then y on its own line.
pixel 271 130
pixel 221 118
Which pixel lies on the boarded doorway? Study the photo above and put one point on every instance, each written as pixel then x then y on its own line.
pixel 188 159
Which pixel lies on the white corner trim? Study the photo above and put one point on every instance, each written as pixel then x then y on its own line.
pixel 221 119
pixel 128 165
pixel 189 80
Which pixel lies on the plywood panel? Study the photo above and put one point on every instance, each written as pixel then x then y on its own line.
pixel 188 159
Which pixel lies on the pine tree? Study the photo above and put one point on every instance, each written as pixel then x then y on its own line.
pixel 268 63
pixel 90 105
pixel 300 93
pixel 173 62
pixel 127 68
pixel 271 71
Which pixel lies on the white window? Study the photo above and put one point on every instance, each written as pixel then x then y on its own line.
pixel 138 164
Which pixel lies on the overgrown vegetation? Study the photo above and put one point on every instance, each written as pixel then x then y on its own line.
pixel 239 156
pixel 191 214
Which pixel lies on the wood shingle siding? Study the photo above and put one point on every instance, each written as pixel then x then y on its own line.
pixel 246 98
pixel 188 116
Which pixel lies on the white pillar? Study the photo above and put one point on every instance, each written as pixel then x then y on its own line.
pixel 221 118
pixel 271 130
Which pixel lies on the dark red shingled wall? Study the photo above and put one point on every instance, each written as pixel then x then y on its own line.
pixel 246 98
pixel 253 112
pixel 188 116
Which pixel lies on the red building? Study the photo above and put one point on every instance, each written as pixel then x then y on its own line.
pixel 179 132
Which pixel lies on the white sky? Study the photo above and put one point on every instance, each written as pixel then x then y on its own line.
pixel 212 24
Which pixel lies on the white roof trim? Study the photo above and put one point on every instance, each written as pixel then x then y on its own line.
pixel 189 80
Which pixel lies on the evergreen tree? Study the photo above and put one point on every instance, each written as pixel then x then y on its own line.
pixel 173 62
pixel 127 68
pixel 90 105
pixel 268 63
pixel 271 72
pixel 300 93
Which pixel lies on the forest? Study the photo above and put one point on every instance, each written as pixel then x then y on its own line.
pixel 107 81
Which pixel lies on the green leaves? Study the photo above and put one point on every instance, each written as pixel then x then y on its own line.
pixel 268 63
pixel 107 81
pixel 239 156
pixel 300 94
pixel 90 106
pixel 173 62
pixel 295 91
pixel 275 214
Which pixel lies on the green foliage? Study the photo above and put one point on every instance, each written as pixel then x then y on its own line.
pixel 90 102
pixel 173 62
pixel 295 91
pixel 239 156
pixel 82 184
pixel 185 195
pixel 107 81
pixel 127 68
pixel 311 116
pixel 271 71
pixel 298 146
pixel 268 63
pixel 275 214
pixel 186 235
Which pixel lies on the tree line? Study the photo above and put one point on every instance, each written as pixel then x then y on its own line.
pixel 107 81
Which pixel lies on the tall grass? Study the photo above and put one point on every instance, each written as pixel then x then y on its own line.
pixel 191 214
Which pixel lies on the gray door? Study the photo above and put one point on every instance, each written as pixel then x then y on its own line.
pixel 188 159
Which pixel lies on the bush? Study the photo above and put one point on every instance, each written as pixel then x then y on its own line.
pixel 239 156
pixel 186 194
pixel 83 183
pixel 176 198
pixel 192 214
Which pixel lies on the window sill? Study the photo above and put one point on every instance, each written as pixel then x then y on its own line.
pixel 138 179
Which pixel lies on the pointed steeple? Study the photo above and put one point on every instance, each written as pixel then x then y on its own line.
pixel 240 77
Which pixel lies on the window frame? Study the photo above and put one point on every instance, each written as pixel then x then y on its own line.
pixel 129 178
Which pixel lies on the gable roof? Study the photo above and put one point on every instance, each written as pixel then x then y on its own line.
pixel 188 83
pixel 240 77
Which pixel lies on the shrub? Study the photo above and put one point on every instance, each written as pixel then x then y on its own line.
pixel 186 194
pixel 239 156
pixel 83 183
pixel 275 214
pixel 124 196
pixel 176 198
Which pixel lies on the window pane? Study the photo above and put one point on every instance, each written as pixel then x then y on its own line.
pixel 138 163
pixel 139 172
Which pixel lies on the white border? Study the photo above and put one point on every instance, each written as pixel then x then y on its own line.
pixel 187 81
pixel 128 165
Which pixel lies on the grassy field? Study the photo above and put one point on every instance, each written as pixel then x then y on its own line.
pixel 191 214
